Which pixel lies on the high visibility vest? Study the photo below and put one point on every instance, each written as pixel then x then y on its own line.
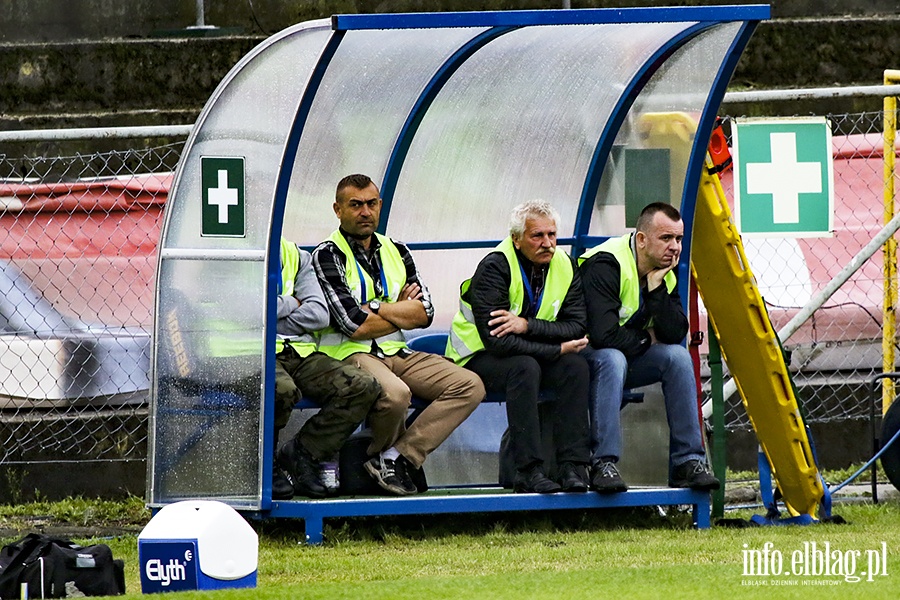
pixel 629 280
pixel 290 264
pixel 229 339
pixel 464 340
pixel 332 341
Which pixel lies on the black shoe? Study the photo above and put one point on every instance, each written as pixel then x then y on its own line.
pixel 573 478
pixel 693 474
pixel 534 481
pixel 391 475
pixel 282 488
pixel 605 478
pixel 302 469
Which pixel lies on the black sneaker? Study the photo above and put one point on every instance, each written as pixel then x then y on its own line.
pixel 302 469
pixel 693 474
pixel 391 475
pixel 605 478
pixel 533 481
pixel 573 478
pixel 282 488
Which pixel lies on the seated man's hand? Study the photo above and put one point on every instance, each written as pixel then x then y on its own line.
pixel 656 277
pixel 505 322
pixel 573 346
pixel 410 291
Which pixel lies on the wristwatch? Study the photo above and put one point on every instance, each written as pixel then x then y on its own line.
pixel 374 305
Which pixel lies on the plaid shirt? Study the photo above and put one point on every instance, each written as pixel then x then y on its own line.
pixel 330 264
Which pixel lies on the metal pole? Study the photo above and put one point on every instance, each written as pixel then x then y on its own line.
pixel 858 91
pixel 96 133
pixel 201 14
pixel 889 318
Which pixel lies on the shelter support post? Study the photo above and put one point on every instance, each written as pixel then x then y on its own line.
pixel 889 325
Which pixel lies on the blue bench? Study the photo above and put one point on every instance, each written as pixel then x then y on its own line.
pixel 487 499
pixel 436 343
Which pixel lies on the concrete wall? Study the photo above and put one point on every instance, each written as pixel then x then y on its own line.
pixel 168 80
pixel 68 82
pixel 66 20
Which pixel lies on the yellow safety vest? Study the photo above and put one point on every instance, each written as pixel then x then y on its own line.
pixel 629 281
pixel 228 339
pixel 290 264
pixel 332 341
pixel 464 340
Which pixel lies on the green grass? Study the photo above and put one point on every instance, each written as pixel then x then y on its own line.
pixel 78 511
pixel 636 553
pixel 628 553
pixel 831 476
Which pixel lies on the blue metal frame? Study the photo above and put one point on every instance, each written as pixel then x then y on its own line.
pixel 313 512
pixel 515 18
pixel 417 113
pixel 614 124
pixel 273 267
pixel 459 245
pixel 767 495
pixel 697 159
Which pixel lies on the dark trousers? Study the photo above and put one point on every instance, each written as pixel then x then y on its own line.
pixel 521 378
pixel 345 393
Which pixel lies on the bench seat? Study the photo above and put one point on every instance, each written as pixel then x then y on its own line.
pixel 435 343
pixel 463 499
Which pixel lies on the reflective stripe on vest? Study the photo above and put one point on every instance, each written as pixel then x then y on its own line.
pixel 629 281
pixel 290 264
pixel 229 339
pixel 332 341
pixel 464 341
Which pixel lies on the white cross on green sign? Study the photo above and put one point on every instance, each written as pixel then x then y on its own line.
pixel 783 177
pixel 222 182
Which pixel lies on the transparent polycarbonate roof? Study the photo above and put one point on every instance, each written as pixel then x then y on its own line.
pixel 457 117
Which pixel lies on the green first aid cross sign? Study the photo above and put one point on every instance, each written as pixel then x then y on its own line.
pixel 222 182
pixel 783 177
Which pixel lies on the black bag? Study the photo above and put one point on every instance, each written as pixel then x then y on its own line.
pixel 354 479
pixel 49 564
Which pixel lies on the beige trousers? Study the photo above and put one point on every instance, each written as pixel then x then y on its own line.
pixel 453 393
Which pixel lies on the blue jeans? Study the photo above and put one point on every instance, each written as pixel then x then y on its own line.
pixel 611 372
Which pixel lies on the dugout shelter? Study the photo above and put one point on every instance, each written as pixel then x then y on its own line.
pixel 457 117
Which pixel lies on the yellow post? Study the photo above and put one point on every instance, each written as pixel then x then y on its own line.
pixel 889 327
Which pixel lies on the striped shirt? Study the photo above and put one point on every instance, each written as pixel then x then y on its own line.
pixel 329 261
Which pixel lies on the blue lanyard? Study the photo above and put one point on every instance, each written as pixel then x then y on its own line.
pixel 527 283
pixel 362 283
pixel 280 285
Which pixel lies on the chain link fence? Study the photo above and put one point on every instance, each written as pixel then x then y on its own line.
pixel 77 269
pixel 834 355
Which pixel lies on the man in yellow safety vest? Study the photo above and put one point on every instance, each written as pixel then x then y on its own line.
pixel 636 325
pixel 374 293
pixel 521 327
pixel 344 392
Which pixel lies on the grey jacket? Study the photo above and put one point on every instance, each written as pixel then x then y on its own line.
pixel 311 314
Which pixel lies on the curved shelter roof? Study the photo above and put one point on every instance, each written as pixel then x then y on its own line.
pixel 458 117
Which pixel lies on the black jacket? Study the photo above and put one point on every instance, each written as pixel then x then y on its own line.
pixel 601 278
pixel 489 291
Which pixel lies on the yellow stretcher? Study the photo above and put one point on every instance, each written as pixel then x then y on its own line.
pixel 741 324
pixel 751 349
